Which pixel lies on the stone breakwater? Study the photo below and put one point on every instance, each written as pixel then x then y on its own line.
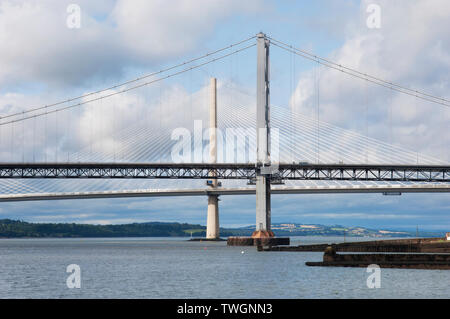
pixel 386 260
pixel 414 245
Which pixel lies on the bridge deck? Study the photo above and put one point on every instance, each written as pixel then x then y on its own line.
pixel 396 189
pixel 343 172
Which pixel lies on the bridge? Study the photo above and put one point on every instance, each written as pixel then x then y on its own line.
pixel 386 190
pixel 267 171
pixel 247 171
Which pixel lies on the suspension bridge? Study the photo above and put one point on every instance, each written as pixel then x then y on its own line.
pixel 269 147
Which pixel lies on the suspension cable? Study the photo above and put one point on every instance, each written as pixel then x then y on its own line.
pixel 130 88
pixel 361 75
pixel 130 81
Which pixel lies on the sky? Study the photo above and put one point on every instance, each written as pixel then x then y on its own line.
pixel 44 58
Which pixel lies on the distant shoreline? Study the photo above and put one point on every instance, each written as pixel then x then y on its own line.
pixel 20 229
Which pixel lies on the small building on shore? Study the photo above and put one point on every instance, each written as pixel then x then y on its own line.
pixel 447 235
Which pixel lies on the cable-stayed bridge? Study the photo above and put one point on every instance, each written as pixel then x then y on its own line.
pixel 247 139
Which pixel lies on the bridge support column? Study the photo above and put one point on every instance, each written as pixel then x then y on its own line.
pixel 212 222
pixel 263 235
pixel 263 219
pixel 212 225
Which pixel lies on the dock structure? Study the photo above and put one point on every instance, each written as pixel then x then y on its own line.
pixel 386 260
pixel 411 245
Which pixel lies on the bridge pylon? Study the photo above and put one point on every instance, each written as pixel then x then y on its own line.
pixel 212 222
pixel 263 234
pixel 263 218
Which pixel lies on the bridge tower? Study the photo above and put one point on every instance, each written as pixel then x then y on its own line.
pixel 263 218
pixel 212 222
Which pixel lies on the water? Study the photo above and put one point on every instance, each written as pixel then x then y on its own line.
pixel 176 268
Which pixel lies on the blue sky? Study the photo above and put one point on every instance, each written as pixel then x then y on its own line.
pixel 42 61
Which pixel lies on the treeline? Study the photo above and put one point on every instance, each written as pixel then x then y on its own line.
pixel 20 229
pixel 17 229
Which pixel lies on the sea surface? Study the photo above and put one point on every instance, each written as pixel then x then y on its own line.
pixel 177 268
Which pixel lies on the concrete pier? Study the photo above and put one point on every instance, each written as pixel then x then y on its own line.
pixel 386 260
pixel 260 242
pixel 212 223
pixel 409 245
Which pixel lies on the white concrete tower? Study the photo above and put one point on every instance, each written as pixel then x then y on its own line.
pixel 212 223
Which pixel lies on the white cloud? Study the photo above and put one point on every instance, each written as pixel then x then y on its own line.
pixel 360 216
pixel 43 218
pixel 37 46
pixel 169 28
pixel 411 48
pixel 38 51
